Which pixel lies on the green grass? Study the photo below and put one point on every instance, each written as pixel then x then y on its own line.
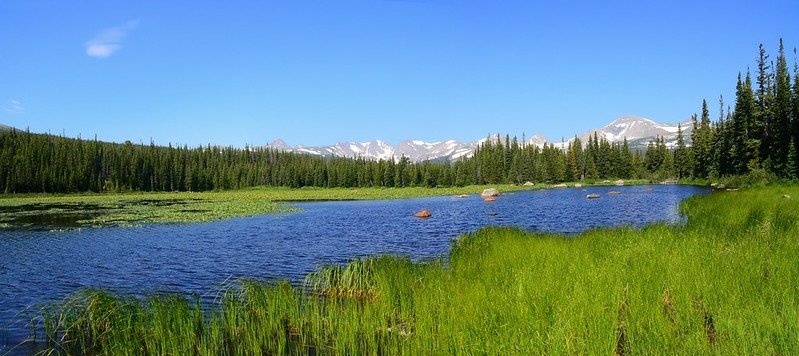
pixel 726 282
pixel 139 208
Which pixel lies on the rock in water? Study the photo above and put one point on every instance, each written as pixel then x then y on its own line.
pixel 423 214
pixel 592 196
pixel 490 192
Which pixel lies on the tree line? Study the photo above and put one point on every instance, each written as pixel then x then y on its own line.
pixel 44 163
pixel 759 135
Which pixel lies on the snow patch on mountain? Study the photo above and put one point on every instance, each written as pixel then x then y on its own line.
pixel 639 132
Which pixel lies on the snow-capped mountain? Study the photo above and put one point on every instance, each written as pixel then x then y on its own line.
pixel 415 150
pixel 638 131
pixel 538 140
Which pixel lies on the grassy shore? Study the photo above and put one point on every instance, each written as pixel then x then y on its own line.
pixel 79 210
pixel 725 282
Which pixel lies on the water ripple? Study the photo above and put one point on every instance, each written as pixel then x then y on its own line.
pixel 39 267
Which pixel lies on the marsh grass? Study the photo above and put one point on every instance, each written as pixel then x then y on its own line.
pixel 724 282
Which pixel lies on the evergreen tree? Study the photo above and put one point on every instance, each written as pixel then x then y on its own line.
pixel 591 171
pixel 781 126
pixel 574 153
pixel 761 124
pixel 682 160
pixel 701 138
pixel 626 161
pixel 744 149
pixel 796 110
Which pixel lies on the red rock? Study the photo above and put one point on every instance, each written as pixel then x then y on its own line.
pixel 423 214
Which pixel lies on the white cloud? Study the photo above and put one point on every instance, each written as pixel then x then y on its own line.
pixel 14 107
pixel 109 40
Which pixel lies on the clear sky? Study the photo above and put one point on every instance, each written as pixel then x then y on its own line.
pixel 319 72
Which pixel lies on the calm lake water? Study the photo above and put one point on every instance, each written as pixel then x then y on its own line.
pixel 41 266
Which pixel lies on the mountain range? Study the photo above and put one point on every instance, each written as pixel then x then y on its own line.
pixel 639 132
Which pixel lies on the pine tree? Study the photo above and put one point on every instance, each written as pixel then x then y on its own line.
pixel 744 150
pixel 682 164
pixel 626 161
pixel 760 128
pixel 781 127
pixel 701 138
pixel 574 153
pixel 590 168
pixel 796 110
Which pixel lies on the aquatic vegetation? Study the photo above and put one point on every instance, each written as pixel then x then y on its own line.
pixel 725 282
pixel 60 211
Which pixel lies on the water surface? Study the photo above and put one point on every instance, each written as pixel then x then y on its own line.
pixel 42 266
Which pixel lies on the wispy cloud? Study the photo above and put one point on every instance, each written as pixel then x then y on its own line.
pixel 109 40
pixel 14 107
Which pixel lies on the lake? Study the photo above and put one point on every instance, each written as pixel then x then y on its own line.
pixel 38 267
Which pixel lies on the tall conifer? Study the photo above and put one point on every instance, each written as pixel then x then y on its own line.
pixel 781 128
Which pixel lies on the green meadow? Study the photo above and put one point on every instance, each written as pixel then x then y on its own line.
pixel 724 282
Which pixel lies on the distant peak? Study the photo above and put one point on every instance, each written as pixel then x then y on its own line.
pixel 631 118
pixel 279 144
pixel 537 139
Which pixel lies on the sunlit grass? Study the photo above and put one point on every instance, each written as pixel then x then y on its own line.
pixel 725 282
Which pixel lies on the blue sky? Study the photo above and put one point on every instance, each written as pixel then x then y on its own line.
pixel 319 72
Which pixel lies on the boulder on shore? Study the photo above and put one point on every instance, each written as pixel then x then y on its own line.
pixel 490 192
pixel 619 183
pixel 578 185
pixel 423 214
pixel 561 185
pixel 529 184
